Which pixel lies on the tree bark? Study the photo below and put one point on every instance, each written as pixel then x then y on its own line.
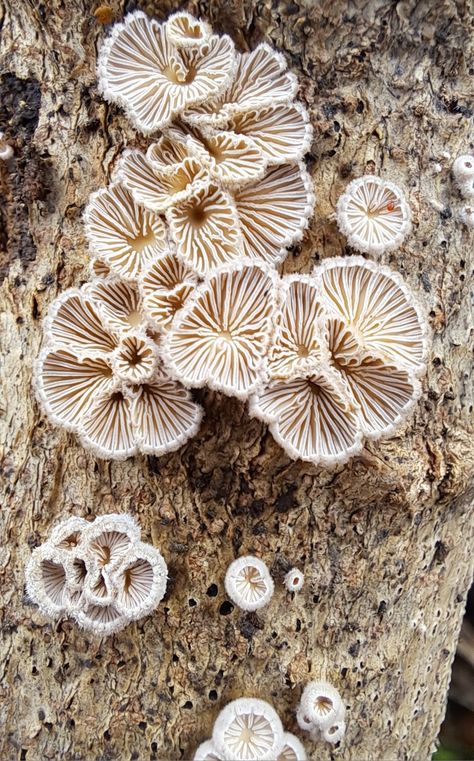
pixel 384 541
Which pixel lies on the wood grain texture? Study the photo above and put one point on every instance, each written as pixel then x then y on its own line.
pixel 384 541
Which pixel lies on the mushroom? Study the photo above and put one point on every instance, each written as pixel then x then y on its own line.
pixel 220 337
pixel 159 189
pixel 334 733
pixel 274 212
pixel 141 70
pixel 298 344
pixel 378 306
pixel 185 31
pixel 311 418
pixel 101 375
pixel 165 287
pixel 466 215
pixel 294 580
pixel 6 151
pixel 282 132
pixel 374 215
pixel 463 171
pixel 248 583
pixel 121 233
pixel 260 79
pixel 248 728
pixel 230 158
pixel 382 393
pixel 293 749
pixel 205 229
pixel 321 703
pixel 105 580
pixel 99 268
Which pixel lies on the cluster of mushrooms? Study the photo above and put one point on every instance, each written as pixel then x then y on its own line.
pixel 185 243
pixel 100 574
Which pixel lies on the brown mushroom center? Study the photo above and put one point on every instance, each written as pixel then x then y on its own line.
pixel 198 216
pixel 303 351
pixel 323 704
pixel 141 242
pixel 178 77
pixel 134 318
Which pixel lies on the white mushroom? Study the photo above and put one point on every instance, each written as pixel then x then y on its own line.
pixel 334 733
pixel 322 704
pixel 294 580
pixel 374 215
pixel 248 583
pixel 463 171
pixel 46 580
pixel 248 729
pixel 220 337
pixel 140 581
pixel 185 31
pixel 165 288
pixel 121 233
pixel 207 752
pixel 293 749
pixel 141 70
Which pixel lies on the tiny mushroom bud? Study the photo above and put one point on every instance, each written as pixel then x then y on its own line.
pixel 303 720
pixel 463 171
pixel 248 729
pixel 335 732
pixel 322 704
pixel 466 215
pixel 374 215
pixel 294 580
pixel 248 583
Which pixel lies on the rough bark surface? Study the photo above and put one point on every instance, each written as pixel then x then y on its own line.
pixel 384 542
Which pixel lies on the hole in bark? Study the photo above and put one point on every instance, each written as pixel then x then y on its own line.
pixel 212 695
pixel 212 590
pixel 188 705
pixel 226 608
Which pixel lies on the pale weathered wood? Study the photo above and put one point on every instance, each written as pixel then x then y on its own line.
pixel 384 542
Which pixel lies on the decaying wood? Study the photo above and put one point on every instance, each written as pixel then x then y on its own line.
pixel 384 542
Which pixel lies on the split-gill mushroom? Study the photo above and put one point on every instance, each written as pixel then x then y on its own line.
pixel 248 583
pixel 248 728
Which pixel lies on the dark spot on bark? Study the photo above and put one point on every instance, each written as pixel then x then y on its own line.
pixel 382 608
pixel 226 608
pixel 41 715
pixel 286 501
pixel 425 281
pixel 354 649
pixel 212 695
pixel 212 590
pixel 440 553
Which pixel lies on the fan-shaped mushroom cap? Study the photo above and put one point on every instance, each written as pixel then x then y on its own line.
pixel 248 729
pixel 98 588
pixel 232 159
pixel 293 749
pixel 141 581
pixel 121 233
pixel 185 31
pixel 118 303
pixel 274 212
pixel 373 215
pixel 248 583
pixel 380 309
pixel 73 322
pixel 311 418
pixel 298 345
pixel 46 580
pixel 101 620
pixel 140 69
pixel 107 428
pixel 67 534
pixel 165 288
pixel 98 268
pixel 109 539
pixel 205 229
pixel 207 752
pixel 261 79
pixel 67 386
pixel 282 132
pixel 155 189
pixel 165 416
pixel 322 704
pixel 168 152
pixel 221 336
pixel 383 393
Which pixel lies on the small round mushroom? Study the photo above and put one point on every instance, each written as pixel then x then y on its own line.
pixel 248 583
pixel 335 732
pixel 294 580
pixel 207 752
pixel 248 728
pixel 374 215
pixel 466 215
pixel 185 31
pixel 463 171
pixel 322 704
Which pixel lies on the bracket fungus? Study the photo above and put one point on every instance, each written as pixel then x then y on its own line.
pixel 374 215
pixel 344 362
pixel 100 574
pixel 101 376
pixel 248 583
